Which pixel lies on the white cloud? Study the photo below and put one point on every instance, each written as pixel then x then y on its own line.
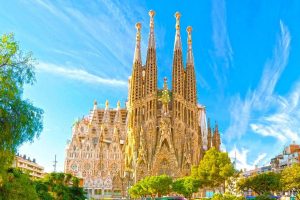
pixel 261 100
pixel 283 122
pixel 78 74
pixel 223 53
pixel 109 32
pixel 241 158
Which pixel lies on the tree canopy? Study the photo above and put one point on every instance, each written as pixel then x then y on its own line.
pixel 152 186
pixel 55 186
pixel 265 183
pixel 186 186
pixel 20 121
pixel 60 186
pixel 290 179
pixel 17 185
pixel 214 169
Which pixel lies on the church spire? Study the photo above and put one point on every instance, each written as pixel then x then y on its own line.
pixel 190 58
pixel 137 52
pixel 151 68
pixel 217 139
pixel 177 44
pixel 178 74
pixel 151 73
pixel 135 82
pixel 151 43
pixel 190 82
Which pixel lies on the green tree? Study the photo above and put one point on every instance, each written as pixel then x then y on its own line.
pixel 214 169
pixel 160 185
pixel 226 196
pixel 265 183
pixel 17 185
pixel 152 186
pixel 290 179
pixel 20 121
pixel 63 186
pixel 186 186
pixel 42 190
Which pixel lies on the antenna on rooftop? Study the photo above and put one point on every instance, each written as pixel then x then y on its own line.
pixel 55 162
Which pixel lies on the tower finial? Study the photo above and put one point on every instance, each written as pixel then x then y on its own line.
pixel 106 105
pixel 95 104
pixel 118 105
pixel 177 36
pixel 165 83
pixel 177 16
pixel 137 53
pixel 151 43
pixel 190 58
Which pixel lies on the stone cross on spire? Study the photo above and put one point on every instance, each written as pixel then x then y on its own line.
pixel 137 52
pixel 177 44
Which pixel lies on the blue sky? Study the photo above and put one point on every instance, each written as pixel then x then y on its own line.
pixel 247 60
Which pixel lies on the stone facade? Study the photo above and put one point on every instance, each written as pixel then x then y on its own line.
pixel 96 150
pixel 166 131
pixel 161 131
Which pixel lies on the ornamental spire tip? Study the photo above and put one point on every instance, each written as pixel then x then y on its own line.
pixel 190 58
pixel 177 27
pixel 151 43
pixel 137 53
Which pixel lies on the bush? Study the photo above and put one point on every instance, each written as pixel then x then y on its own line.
pixel 226 197
pixel 265 197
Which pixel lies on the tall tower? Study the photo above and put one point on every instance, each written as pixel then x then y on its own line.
pixel 190 85
pixel 216 137
pixel 133 107
pixel 150 99
pixel 178 74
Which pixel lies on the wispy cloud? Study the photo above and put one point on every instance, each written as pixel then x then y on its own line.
pixel 108 31
pixel 222 53
pixel 261 100
pixel 240 156
pixel 78 74
pixel 259 159
pixel 283 122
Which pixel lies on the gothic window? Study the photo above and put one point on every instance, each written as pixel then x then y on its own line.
pixel 81 129
pixel 94 130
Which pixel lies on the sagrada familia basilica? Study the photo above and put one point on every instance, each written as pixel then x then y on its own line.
pixel 161 130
